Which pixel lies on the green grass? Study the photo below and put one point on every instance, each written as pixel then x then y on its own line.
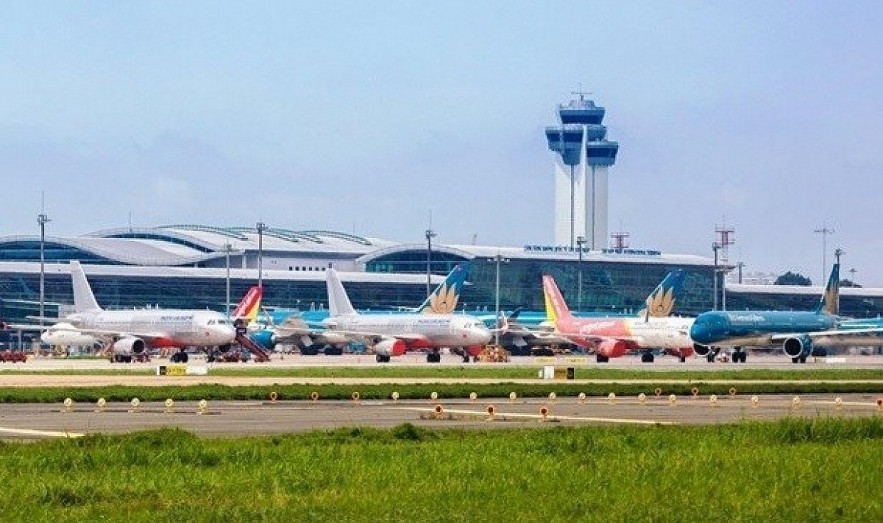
pixel 791 470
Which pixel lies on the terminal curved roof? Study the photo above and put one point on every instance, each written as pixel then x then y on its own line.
pixel 185 244
pixel 191 244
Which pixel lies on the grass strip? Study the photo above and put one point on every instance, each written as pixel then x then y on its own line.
pixel 795 469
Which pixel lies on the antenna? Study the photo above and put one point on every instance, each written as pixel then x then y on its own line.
pixel 620 240
pixel 579 92
pixel 824 231
pixel 430 234
pixel 725 238
pixel 42 220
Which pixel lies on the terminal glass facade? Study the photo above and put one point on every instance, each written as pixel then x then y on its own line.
pixel 607 287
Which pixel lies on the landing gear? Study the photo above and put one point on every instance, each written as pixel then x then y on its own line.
pixel 179 357
pixel 712 355
pixel 799 359
pixel 433 357
pixel 331 350
pixel 739 355
pixel 600 358
pixel 647 357
pixel 381 358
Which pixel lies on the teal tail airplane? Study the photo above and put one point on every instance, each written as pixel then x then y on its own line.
pixel 295 329
pixel 799 333
pixel 444 298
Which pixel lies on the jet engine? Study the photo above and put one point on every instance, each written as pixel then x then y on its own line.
pixel 128 346
pixel 612 348
pixel 390 347
pixel 701 350
pixel 797 346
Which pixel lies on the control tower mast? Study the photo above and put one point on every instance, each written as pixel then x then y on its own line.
pixel 583 156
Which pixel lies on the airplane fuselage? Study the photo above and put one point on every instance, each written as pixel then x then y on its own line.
pixel 755 328
pixel 656 333
pixel 433 330
pixel 166 327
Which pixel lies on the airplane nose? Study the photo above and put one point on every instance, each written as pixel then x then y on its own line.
pixel 225 333
pixel 700 333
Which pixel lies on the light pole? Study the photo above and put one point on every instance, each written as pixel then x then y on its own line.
pixel 498 259
pixel 715 247
pixel 260 227
pixel 42 220
pixel 824 231
pixel 227 249
pixel 580 241
pixel 430 234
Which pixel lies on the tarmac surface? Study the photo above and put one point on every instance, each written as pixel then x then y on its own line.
pixel 249 418
pixel 244 418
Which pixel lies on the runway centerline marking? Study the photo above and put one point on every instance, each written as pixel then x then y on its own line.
pixel 484 414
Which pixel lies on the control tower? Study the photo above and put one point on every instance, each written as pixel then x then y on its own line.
pixel 583 156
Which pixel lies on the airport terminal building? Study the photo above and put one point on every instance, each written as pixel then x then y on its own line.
pixel 191 265
pixel 188 266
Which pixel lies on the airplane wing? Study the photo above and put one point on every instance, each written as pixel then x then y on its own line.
pixel 372 338
pixel 22 327
pixel 846 337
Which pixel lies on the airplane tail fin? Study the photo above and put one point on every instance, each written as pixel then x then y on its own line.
pixel 830 302
pixel 556 307
pixel 661 302
pixel 338 302
pixel 249 306
pixel 444 298
pixel 84 300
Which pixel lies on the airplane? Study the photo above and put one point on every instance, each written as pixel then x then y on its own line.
pixel 134 331
pixel 614 337
pixel 295 330
pixel 394 334
pixel 799 333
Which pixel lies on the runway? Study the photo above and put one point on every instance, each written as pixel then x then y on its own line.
pixel 249 418
pixel 774 361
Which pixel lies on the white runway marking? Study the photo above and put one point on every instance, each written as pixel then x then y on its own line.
pixel 45 433
pixel 504 415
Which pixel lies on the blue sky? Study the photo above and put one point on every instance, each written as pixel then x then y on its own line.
pixel 363 116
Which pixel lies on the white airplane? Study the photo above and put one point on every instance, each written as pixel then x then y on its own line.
pixel 394 334
pixel 134 331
